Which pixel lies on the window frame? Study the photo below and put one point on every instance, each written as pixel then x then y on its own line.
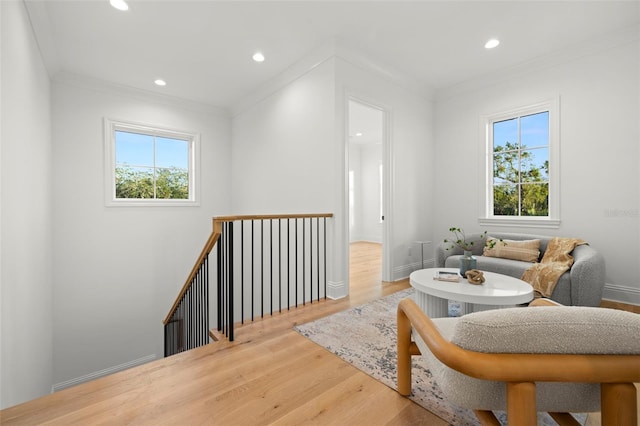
pixel 193 139
pixel 486 123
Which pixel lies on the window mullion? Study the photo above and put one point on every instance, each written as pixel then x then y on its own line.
pixel 519 183
pixel 155 170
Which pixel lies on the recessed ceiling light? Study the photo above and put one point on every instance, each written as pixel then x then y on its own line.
pixel 258 57
pixel 494 42
pixel 359 134
pixel 119 4
pixel 160 82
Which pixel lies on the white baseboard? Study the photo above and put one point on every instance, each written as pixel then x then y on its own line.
pixel 403 272
pixel 337 290
pixel 92 376
pixel 621 293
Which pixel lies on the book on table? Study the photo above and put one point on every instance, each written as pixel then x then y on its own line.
pixel 447 276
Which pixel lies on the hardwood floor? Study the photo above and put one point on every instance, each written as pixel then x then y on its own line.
pixel 269 375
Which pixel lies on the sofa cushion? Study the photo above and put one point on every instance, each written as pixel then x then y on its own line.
pixel 525 250
pixel 559 330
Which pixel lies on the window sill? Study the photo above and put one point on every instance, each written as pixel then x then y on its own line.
pixel 520 222
pixel 152 203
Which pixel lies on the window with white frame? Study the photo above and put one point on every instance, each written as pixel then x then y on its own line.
pixel 522 163
pixel 146 165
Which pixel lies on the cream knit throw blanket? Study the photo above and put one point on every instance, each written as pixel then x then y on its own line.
pixel 557 259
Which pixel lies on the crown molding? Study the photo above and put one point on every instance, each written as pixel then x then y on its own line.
pixel 297 70
pixel 90 83
pixel 41 28
pixel 329 50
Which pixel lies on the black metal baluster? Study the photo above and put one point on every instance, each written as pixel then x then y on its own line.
pixel 325 257
pixel 223 282
pixel 180 326
pixel 280 265
pixel 196 310
pixel 271 262
pixel 202 306
pixel 223 242
pixel 206 297
pixel 310 260
pixel 288 265
pixel 242 271
pixel 296 262
pixel 318 255
pixel 252 272
pixel 186 320
pixel 219 286
pixel 191 319
pixel 261 268
pixel 304 262
pixel 227 275
pixel 230 335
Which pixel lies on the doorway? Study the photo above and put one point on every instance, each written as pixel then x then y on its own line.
pixel 367 196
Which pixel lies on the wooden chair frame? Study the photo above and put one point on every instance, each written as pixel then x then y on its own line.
pixel 615 373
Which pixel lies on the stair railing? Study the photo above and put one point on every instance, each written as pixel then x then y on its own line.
pixel 263 264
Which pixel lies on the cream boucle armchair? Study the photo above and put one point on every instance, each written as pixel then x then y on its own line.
pixel 556 359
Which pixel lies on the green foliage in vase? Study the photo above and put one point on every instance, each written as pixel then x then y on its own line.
pixel 460 240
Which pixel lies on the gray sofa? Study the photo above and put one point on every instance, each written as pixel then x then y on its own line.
pixel 582 285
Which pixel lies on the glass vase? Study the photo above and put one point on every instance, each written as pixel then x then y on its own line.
pixel 467 262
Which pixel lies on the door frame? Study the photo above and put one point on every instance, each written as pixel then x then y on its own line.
pixel 387 179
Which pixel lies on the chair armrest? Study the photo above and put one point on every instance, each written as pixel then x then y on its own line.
pixel 587 276
pixel 510 367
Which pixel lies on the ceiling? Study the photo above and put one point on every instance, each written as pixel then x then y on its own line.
pixel 203 48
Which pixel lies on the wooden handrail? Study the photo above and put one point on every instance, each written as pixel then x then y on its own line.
pixel 220 219
pixel 214 237
pixel 211 242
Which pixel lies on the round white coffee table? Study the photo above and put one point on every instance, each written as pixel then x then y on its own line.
pixel 498 291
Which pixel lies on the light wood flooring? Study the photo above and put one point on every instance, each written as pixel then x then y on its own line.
pixel 269 375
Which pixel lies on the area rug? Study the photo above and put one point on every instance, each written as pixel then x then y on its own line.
pixel 365 337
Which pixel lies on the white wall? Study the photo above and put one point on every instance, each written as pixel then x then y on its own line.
pixel 118 269
pixel 289 156
pixel 283 149
pixel 284 155
pixel 364 161
pixel 599 149
pixel 25 208
pixel 410 155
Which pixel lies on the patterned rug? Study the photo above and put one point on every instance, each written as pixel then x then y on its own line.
pixel 365 337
